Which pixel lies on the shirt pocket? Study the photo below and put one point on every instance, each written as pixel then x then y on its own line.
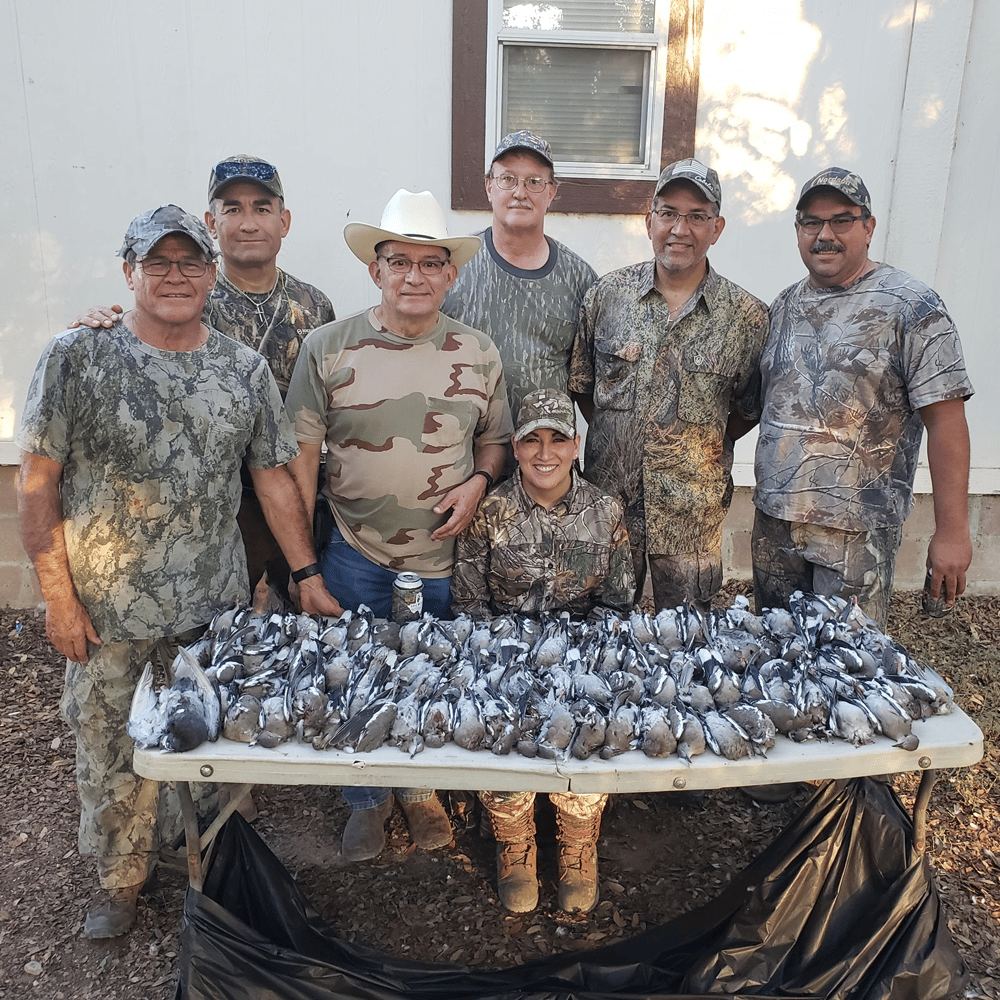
pixel 616 374
pixel 448 423
pixel 706 387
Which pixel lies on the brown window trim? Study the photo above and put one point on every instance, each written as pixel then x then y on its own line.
pixel 576 194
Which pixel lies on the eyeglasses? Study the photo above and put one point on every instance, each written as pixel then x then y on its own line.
pixel 190 267
pixel 839 224
pixel 256 170
pixel 508 182
pixel 670 217
pixel 403 265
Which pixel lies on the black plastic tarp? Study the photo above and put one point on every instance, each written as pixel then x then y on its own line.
pixel 833 909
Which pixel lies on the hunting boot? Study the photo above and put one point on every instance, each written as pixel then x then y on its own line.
pixel 364 832
pixel 577 835
pixel 429 825
pixel 113 913
pixel 513 825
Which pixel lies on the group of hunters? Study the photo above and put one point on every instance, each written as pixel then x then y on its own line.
pixel 171 452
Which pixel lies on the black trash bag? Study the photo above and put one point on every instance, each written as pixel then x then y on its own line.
pixel 832 909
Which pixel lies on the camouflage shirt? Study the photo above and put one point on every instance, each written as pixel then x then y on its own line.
pixel 151 442
pixel 531 316
pixel 274 325
pixel 844 373
pixel 400 419
pixel 516 556
pixel 662 396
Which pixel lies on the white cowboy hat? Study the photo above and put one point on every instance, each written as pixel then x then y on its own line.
pixel 410 217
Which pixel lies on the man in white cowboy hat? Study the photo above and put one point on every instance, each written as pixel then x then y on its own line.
pixel 412 407
pixel 523 289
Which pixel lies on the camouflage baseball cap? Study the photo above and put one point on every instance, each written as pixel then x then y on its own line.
pixel 244 167
pixel 546 408
pixel 705 179
pixel 145 230
pixel 524 140
pixel 848 183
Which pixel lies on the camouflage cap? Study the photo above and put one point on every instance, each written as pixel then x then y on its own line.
pixel 705 179
pixel 524 140
pixel 145 230
pixel 848 183
pixel 546 408
pixel 244 167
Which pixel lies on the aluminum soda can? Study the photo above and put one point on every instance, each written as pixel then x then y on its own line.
pixel 407 597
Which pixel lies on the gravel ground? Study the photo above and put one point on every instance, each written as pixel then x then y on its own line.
pixel 658 858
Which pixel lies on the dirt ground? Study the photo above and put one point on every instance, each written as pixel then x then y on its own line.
pixel 658 858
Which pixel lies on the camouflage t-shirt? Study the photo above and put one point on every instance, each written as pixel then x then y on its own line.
pixel 531 316
pixel 400 418
pixel 662 395
pixel 151 443
pixel 844 373
pixel 516 556
pixel 273 325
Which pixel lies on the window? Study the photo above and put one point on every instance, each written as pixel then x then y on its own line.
pixel 611 84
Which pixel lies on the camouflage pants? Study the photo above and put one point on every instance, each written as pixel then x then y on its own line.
pixel 692 576
pixel 512 805
pixel 788 556
pixel 119 812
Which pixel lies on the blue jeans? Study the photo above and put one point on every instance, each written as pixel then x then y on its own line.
pixel 355 580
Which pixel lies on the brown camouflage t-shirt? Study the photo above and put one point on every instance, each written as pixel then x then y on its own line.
pixel 662 395
pixel 400 419
pixel 845 372
pixel 516 556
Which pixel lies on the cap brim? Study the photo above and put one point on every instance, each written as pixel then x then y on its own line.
pixel 545 423
pixel 362 240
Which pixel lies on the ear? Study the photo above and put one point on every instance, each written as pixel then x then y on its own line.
pixel 376 272
pixel 720 224
pixel 210 223
pixel 286 222
pixel 870 228
pixel 128 270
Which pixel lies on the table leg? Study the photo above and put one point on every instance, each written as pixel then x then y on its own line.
pixel 191 835
pixel 920 803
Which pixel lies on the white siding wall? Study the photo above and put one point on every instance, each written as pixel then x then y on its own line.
pixel 110 108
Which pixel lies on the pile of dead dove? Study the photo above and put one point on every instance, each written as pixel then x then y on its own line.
pixel 676 682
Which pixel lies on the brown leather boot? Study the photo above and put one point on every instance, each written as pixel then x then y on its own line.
pixel 113 913
pixel 517 881
pixel 429 825
pixel 578 888
pixel 364 832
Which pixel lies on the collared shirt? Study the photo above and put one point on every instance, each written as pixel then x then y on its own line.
pixel 663 391
pixel 845 372
pixel 516 556
pixel 151 443
pixel 401 419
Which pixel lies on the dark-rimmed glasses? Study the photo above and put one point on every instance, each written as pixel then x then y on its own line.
pixel 508 182
pixel 839 224
pixel 403 265
pixel 190 267
pixel 670 217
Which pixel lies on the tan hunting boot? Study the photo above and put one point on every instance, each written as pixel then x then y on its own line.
pixel 577 837
pixel 513 826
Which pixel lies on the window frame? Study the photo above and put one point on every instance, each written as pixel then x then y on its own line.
pixel 475 51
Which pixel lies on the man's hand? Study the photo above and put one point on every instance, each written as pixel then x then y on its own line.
pixel 313 598
pixel 462 501
pixel 947 561
pixel 98 316
pixel 69 628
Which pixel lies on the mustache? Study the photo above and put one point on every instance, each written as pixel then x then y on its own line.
pixel 826 246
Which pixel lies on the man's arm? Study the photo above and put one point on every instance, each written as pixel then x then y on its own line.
pixel 286 517
pixel 464 498
pixel 97 316
pixel 950 550
pixel 39 508
pixel 305 471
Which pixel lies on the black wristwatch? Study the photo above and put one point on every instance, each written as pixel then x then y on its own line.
pixel 313 569
pixel 486 476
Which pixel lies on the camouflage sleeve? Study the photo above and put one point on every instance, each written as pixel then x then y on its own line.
pixel 469 590
pixel 747 395
pixel 305 401
pixel 45 421
pixel 933 361
pixel 495 426
pixel 618 589
pixel 581 362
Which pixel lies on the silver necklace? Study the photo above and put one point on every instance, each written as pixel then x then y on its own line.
pixel 259 305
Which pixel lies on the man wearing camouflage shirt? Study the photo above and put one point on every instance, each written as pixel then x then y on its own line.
pixel 666 370
pixel 523 289
pixel 412 407
pixel 128 489
pixel 256 303
pixel 860 358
